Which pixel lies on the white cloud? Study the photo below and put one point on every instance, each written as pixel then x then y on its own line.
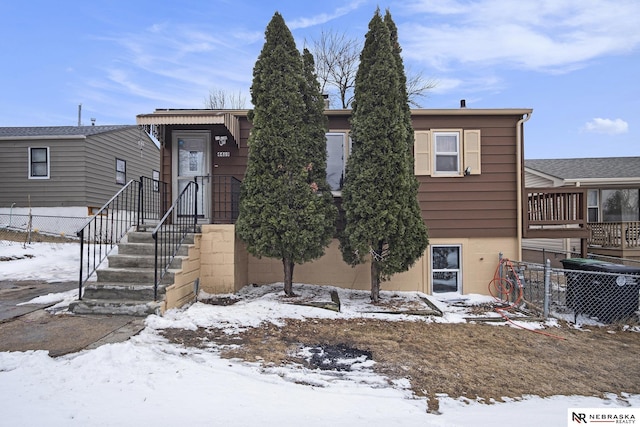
pixel 549 35
pixel 323 18
pixel 607 126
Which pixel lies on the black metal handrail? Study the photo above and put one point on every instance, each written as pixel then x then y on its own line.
pixel 226 199
pixel 152 199
pixel 180 219
pixel 129 207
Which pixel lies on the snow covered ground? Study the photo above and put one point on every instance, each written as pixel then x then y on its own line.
pixel 147 381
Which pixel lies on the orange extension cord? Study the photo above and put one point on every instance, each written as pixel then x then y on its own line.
pixel 504 286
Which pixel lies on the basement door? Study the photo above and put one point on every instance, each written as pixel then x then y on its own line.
pixel 191 154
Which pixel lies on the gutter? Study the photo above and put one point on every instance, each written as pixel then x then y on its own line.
pixel 41 137
pixel 520 172
pixel 578 181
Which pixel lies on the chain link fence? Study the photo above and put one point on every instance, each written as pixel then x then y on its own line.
pixel 585 290
pixel 39 228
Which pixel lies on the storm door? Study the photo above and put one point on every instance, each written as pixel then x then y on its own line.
pixel 191 163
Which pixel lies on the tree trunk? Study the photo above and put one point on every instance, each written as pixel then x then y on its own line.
pixel 375 282
pixel 288 276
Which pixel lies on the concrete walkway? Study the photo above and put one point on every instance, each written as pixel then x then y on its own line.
pixel 31 327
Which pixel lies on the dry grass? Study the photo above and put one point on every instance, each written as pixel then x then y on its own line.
pixel 476 361
pixel 23 237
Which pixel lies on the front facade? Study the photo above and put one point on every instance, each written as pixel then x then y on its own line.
pixel 70 170
pixel 468 163
pixel 612 188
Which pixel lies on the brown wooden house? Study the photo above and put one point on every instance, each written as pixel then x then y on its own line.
pixel 469 163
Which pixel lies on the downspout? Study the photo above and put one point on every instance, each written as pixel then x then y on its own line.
pixel 519 183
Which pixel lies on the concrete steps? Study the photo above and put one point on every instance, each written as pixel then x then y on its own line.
pixel 126 287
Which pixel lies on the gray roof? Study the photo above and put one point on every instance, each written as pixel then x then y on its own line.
pixel 600 167
pixel 58 130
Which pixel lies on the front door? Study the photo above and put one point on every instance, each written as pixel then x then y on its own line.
pixel 191 163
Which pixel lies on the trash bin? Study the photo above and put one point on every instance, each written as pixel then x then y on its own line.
pixel 609 297
pixel 580 289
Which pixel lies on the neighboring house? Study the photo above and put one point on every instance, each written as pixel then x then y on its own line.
pixel 612 186
pixel 469 163
pixel 70 171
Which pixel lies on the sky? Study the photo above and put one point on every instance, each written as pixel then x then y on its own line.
pixel 574 62
pixel 132 382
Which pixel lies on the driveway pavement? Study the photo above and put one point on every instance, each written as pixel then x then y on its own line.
pixel 31 327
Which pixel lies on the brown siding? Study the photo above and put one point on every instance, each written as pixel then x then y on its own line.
pixel 482 205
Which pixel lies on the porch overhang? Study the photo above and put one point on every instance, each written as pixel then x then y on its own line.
pixel 163 117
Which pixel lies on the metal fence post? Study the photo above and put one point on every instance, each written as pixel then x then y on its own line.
pixel 195 204
pixel 140 201
pixel 547 287
pixel 80 282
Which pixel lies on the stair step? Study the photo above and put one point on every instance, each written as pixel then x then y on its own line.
pixel 126 287
pixel 146 237
pixel 146 249
pixel 149 227
pixel 122 291
pixel 132 275
pixel 115 307
pixel 140 261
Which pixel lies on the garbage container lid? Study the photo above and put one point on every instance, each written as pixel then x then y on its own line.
pixel 581 261
pixel 598 265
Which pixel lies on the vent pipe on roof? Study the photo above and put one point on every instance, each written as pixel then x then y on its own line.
pixel 79 114
pixel 325 96
pixel 463 103
pixel 93 121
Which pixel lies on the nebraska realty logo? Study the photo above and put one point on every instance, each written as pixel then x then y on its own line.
pixel 602 416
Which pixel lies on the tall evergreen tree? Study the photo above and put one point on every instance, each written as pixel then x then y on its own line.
pixel 415 239
pixel 283 212
pixel 383 222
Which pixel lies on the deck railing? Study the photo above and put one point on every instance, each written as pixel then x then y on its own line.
pixel 615 234
pixel 555 210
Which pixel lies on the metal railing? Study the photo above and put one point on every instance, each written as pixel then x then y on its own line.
pixel 28 228
pixel 569 294
pixel 152 199
pixel 226 199
pixel 136 202
pixel 180 219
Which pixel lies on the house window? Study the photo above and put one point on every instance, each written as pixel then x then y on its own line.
pixel 620 205
pixel 121 171
pixel 338 149
pixel 593 205
pixel 38 162
pixel 447 152
pixel 446 274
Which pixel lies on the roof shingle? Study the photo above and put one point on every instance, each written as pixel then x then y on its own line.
pixel 58 130
pixel 601 167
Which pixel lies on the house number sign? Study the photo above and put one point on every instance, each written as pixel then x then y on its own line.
pixel 224 154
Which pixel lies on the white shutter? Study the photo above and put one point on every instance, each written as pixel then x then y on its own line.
pixel 472 157
pixel 422 152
